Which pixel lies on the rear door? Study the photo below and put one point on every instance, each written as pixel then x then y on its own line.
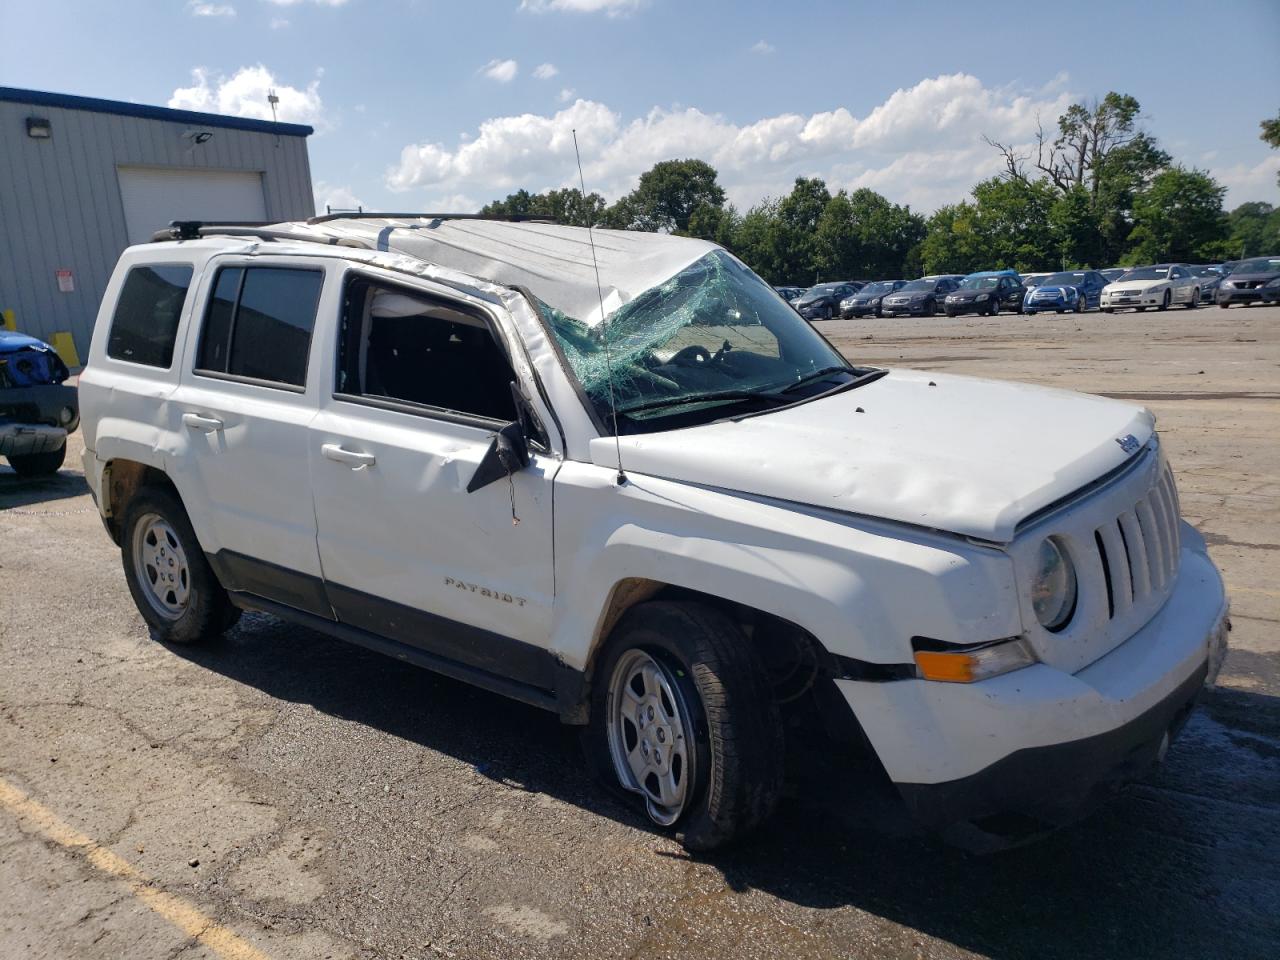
pixel 247 395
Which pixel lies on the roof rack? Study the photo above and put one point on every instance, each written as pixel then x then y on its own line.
pixel 195 229
pixel 374 215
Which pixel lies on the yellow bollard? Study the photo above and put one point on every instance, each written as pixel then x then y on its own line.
pixel 66 348
pixel 7 320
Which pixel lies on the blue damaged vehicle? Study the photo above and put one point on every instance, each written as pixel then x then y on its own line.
pixel 1070 290
pixel 37 408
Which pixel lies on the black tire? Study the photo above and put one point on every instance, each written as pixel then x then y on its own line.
pixel 38 464
pixel 208 612
pixel 1108 310
pixel 1140 309
pixel 994 310
pixel 1224 305
pixel 950 313
pixel 735 776
pixel 1194 301
pixel 1164 304
pixel 930 310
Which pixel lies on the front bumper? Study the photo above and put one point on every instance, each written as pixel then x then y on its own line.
pixel 967 306
pixel 913 307
pixel 20 439
pixel 1252 295
pixel 1033 749
pixel 1137 300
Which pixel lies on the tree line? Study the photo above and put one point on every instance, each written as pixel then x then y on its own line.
pixel 1096 191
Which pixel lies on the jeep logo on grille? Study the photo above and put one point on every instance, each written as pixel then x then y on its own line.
pixel 1128 443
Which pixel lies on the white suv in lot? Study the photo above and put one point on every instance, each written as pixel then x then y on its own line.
pixel 615 476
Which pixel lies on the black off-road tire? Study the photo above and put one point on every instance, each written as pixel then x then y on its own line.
pixel 209 612
pixel 38 464
pixel 737 733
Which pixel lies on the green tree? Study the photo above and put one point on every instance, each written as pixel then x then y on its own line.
pixel 1178 217
pixel 954 242
pixel 564 206
pixel 1271 135
pixel 1254 229
pixel 667 197
pixel 863 236
pixel 1012 221
pixel 1077 231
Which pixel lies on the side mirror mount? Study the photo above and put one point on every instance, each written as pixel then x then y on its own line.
pixel 508 454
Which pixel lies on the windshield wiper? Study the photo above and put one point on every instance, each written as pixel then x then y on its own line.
pixel 816 375
pixel 700 398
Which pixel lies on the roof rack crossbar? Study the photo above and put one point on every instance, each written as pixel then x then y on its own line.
pixel 373 215
pixel 194 229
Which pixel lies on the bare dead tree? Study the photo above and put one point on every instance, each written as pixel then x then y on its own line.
pixel 1015 163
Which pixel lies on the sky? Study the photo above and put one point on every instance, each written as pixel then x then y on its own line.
pixel 443 106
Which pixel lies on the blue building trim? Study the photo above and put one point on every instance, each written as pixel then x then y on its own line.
pixel 39 98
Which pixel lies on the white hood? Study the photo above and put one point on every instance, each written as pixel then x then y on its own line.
pixel 969 456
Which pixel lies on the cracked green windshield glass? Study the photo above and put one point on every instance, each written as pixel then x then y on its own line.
pixel 710 337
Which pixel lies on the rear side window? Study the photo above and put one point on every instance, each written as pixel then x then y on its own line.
pixel 258 324
pixel 145 324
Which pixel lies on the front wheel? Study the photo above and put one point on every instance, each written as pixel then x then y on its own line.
pixel 172 583
pixel 1224 305
pixel 38 464
pixel 1164 304
pixel 1140 309
pixel 1080 305
pixel 1194 301
pixel 1108 310
pixel 682 715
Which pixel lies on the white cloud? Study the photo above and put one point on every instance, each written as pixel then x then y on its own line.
pixel 244 94
pixel 279 23
pixel 197 9
pixel 762 46
pixel 1245 181
pixel 545 71
pixel 503 71
pixel 921 146
pixel 613 8
pixel 566 94
pixel 335 197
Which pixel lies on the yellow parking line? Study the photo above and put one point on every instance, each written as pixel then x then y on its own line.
pixel 181 913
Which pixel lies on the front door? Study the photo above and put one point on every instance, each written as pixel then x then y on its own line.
pixel 408 554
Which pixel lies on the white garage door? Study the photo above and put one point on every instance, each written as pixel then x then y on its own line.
pixel 153 196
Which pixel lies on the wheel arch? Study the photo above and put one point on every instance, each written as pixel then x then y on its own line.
pixel 122 478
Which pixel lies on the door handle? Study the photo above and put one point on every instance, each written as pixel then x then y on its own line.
pixel 352 458
pixel 198 422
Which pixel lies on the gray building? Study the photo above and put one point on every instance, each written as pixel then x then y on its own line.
pixel 81 179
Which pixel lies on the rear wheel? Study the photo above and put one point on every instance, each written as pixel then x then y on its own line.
pixel 683 716
pixel 38 464
pixel 172 583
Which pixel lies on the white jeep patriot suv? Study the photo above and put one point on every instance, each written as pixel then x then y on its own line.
pixel 615 476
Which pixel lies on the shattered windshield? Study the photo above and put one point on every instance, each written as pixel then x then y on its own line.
pixel 711 341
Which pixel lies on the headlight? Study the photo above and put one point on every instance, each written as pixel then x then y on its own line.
pixel 875 302
pixel 984 296
pixel 952 664
pixel 1053 588
pixel 1226 284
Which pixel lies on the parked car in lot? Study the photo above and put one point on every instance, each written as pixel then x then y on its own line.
pixel 37 408
pixel 1113 273
pixel 1074 290
pixel 790 294
pixel 1209 278
pixel 340 422
pixel 1256 280
pixel 1160 286
pixel 868 299
pixel 1030 280
pixel 823 301
pixel 922 298
pixel 987 292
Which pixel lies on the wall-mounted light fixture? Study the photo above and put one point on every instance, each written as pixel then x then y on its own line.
pixel 39 128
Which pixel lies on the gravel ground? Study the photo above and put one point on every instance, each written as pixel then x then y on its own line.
pixel 316 800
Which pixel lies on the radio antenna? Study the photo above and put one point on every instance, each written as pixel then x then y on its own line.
pixel 604 329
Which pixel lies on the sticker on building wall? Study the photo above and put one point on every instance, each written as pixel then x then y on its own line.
pixel 66 282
